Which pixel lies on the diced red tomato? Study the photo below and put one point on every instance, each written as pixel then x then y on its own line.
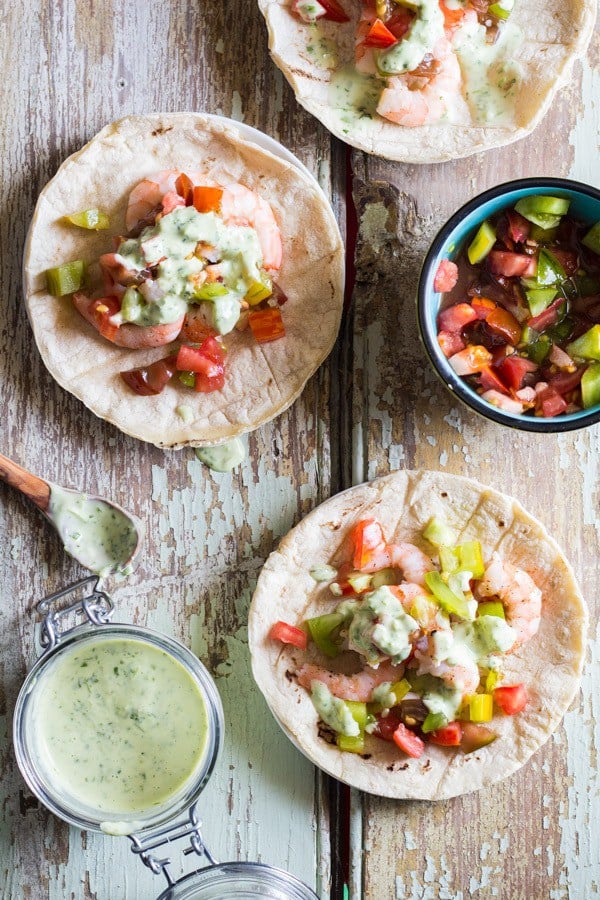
pixel 150 380
pixel 551 403
pixel 185 188
pixel 103 310
pixel 482 307
pixel 386 726
pixel 450 342
pixel 446 276
pixel 547 318
pixel 212 348
pixel 367 539
pixel 194 330
pixel 171 201
pixel 518 226
pixel 399 23
pixel 565 382
pixel 568 259
pixel 207 199
pixel 475 737
pixel 408 741
pixel 452 17
pixel 333 11
pixel 511 699
pixel 289 634
pixel 503 323
pixel 503 262
pixel 379 36
pixel 206 384
pixel 489 380
pixel 455 318
pixel 470 360
pixel 513 369
pixel 266 324
pixel 195 359
pixel 448 736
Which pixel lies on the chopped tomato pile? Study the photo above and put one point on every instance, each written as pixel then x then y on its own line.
pixel 520 315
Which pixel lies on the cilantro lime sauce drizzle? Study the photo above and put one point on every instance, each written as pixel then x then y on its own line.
pixel 223 457
pixel 491 75
pixel 425 32
pixel 321 48
pixel 355 96
pixel 99 535
pixel 123 726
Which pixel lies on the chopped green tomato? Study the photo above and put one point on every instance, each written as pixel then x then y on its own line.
pixel 359 713
pixel 475 737
pixel 549 270
pixel 210 291
pixel 502 9
pixel 66 279
pixel 259 290
pixel 481 707
pixel 540 299
pixel 592 238
pixel 539 350
pixel 471 558
pixel 541 210
pixel 351 744
pixel 92 219
pixel 480 246
pixel 359 582
pixel 447 599
pixel 544 235
pixel 323 573
pixel 491 608
pixel 587 346
pixel 438 533
pixel 449 560
pixel 433 721
pixel 590 386
pixel 323 632
pixel 384 577
pixel 400 689
pixel 131 305
pixel 187 378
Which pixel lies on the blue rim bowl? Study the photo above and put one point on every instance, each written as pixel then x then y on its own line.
pixel 585 205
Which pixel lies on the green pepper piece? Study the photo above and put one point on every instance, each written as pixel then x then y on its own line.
pixel 90 219
pixel 587 346
pixel 447 599
pixel 502 9
pixel 438 533
pixel 210 291
pixel 187 378
pixel 359 582
pixel 433 721
pixel 590 386
pixel 359 712
pixel 66 279
pixel 481 244
pixel 491 608
pixel 384 577
pixel 529 335
pixel 592 238
pixel 449 560
pixel 131 305
pixel 322 630
pixel 563 329
pixel 351 744
pixel 539 350
pixel 549 270
pixel 541 210
pixel 471 558
pixel 540 299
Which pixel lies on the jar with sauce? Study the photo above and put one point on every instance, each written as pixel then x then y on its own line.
pixel 117 729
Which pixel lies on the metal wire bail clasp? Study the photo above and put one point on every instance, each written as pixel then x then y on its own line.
pixel 96 607
pixel 175 831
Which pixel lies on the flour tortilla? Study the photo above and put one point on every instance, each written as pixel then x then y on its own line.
pixel 549 664
pixel 262 380
pixel 555 34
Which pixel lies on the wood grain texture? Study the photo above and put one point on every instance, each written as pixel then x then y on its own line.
pixel 67 70
pixel 528 836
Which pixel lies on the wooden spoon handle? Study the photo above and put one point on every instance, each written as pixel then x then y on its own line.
pixel 33 487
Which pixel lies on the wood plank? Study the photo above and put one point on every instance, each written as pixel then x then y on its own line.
pixel 67 71
pixel 526 836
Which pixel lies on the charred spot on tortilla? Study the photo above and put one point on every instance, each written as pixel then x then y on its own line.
pixel 158 131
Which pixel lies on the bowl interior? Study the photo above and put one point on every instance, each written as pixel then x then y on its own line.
pixel 585 205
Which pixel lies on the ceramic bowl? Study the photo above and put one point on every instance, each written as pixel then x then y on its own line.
pixel 460 229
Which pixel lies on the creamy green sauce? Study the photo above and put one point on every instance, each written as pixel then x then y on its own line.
pixel 333 711
pixel 491 77
pixel 321 49
pixel 380 627
pixel 170 245
pixel 443 698
pixel 426 30
pixel 122 725
pixel 383 695
pixel 100 537
pixel 355 96
pixel 223 457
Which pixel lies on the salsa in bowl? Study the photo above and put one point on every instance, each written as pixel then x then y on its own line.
pixel 509 304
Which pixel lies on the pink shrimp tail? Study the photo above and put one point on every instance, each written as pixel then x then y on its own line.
pixel 357 687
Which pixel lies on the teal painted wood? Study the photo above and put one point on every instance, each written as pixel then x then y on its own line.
pixel 68 69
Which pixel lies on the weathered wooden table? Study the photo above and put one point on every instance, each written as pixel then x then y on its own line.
pixel 68 68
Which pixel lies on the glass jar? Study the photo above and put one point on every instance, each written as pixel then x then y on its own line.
pixel 239 881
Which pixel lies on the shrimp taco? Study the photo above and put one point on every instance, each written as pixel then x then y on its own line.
pixel 419 636
pixel 181 281
pixel 423 81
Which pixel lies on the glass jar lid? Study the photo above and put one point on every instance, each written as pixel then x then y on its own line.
pixel 239 880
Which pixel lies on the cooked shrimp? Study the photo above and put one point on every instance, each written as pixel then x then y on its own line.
pixel 413 563
pixel 464 677
pixel 518 593
pixel 134 337
pixel 239 206
pixel 412 99
pixel 350 687
pixel 364 57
